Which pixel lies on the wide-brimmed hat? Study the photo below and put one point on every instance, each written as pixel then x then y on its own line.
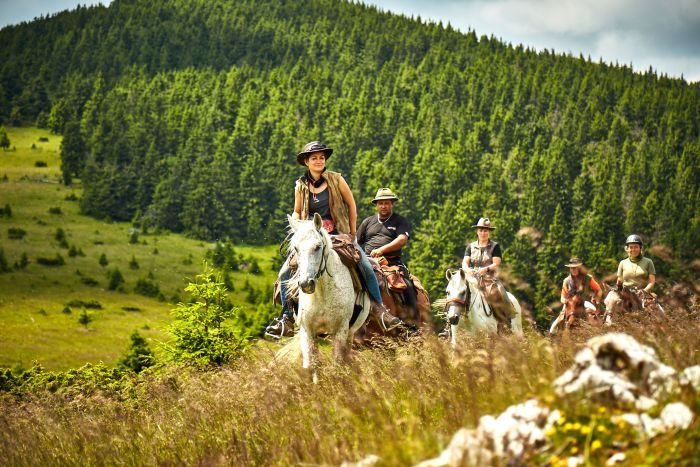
pixel 312 147
pixel 574 262
pixel 384 193
pixel 484 223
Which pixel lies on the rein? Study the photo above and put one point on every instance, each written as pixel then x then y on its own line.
pixel 324 259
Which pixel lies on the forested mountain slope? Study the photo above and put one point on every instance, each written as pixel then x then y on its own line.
pixel 186 115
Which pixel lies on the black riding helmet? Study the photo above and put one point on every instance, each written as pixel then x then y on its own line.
pixel 634 238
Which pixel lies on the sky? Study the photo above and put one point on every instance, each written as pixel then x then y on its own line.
pixel 663 34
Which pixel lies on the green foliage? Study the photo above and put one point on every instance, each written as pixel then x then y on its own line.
pixel 85 318
pixel 51 262
pixel 115 280
pixel 4 266
pixel 72 152
pixel 223 256
pixel 16 233
pixel 7 210
pixel 55 210
pixel 4 139
pixel 133 264
pixel 202 330
pixel 90 304
pixel 103 260
pixel 23 261
pixel 147 288
pixel 138 356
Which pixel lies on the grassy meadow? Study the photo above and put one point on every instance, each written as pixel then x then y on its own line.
pixel 32 299
pixel 402 402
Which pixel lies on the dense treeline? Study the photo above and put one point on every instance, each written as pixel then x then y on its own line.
pixel 186 115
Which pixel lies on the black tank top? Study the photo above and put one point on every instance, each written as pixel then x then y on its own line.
pixel 320 203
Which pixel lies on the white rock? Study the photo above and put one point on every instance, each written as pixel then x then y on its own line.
pixel 677 416
pixel 691 377
pixel 369 461
pixel 616 458
pixel 615 369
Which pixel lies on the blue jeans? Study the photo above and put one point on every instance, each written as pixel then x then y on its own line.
pixel 364 267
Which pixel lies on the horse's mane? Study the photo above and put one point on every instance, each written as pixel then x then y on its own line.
pixel 303 228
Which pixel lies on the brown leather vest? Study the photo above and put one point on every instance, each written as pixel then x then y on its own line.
pixel 339 210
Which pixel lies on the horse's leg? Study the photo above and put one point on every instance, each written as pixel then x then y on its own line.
pixel 308 352
pixel 516 322
pixel 340 345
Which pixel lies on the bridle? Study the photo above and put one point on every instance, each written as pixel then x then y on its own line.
pixel 324 257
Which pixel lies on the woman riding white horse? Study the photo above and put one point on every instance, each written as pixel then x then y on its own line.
pixel 326 295
pixel 466 307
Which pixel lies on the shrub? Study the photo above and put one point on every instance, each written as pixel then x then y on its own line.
pixel 89 281
pixel 7 210
pixel 15 233
pixel 55 210
pixel 60 235
pixel 85 318
pixel 115 279
pixel 133 236
pixel 71 197
pixel 57 261
pixel 155 251
pixel 43 139
pixel 4 267
pixel 73 251
pixel 133 264
pixel 67 310
pixel 138 355
pixel 23 262
pixel 103 260
pixel 223 255
pixel 147 288
pixel 93 304
pixel 201 332
pixel 40 164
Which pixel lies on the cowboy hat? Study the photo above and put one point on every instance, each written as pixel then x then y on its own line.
pixel 384 193
pixel 574 262
pixel 312 147
pixel 484 223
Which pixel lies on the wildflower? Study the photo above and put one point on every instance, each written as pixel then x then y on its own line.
pixel 595 445
pixel 574 450
pixel 577 426
pixel 550 432
pixel 568 426
pixel 561 420
pixel 602 428
pixel 602 410
pixel 585 430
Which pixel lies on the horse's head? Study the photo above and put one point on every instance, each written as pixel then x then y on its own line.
pixel 311 244
pixel 457 294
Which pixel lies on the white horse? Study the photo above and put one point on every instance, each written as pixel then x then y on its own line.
pixel 326 294
pixel 465 299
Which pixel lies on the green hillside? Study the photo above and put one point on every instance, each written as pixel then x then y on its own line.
pixel 33 298
pixel 185 115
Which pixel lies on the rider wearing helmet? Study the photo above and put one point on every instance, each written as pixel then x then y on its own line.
pixel 636 271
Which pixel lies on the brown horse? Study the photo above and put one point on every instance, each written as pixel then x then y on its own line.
pixel 577 311
pixel 419 318
pixel 626 301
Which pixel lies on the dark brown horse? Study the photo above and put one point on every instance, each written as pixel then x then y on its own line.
pixel 418 318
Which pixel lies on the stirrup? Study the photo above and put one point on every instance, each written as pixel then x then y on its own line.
pixel 285 331
pixel 391 326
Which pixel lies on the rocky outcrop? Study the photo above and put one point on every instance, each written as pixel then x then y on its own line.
pixel 617 371
pixel 613 370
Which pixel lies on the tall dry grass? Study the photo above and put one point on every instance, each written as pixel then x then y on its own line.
pixel 401 402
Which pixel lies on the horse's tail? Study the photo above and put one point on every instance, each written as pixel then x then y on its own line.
pixel 291 352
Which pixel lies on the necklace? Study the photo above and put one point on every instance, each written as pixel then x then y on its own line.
pixel 383 221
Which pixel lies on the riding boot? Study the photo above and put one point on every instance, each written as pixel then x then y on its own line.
pixel 381 314
pixel 282 326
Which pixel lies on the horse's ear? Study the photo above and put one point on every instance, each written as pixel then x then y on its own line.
pixel 463 274
pixel 318 222
pixel 449 273
pixel 293 223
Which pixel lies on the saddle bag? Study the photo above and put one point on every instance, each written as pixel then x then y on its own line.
pixel 394 279
pixel 344 245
